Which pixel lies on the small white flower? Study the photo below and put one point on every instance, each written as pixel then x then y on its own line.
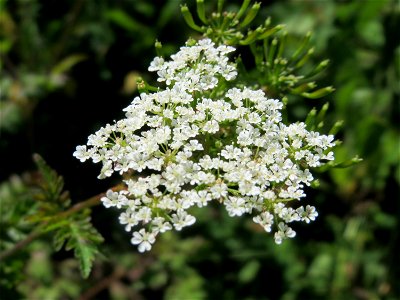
pixel 81 153
pixel 128 219
pixel 156 64
pixel 283 232
pixel 308 214
pixel 111 199
pixel 265 219
pixel 182 219
pixel 107 170
pixel 144 214
pixel 211 126
pixel 143 239
pixel 160 225
pixel 202 199
pixel 235 206
pixel 219 190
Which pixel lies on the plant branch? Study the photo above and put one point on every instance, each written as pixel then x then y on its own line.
pixel 132 274
pixel 95 200
pixel 103 284
pixel 21 244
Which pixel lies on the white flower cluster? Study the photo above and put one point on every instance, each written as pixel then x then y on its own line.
pixel 202 139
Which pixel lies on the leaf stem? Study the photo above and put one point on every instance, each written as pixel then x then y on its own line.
pixel 37 232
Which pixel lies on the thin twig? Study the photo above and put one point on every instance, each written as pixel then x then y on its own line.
pixel 21 244
pixel 95 200
pixel 103 284
pixel 133 275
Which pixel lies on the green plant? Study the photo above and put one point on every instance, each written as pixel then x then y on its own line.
pixel 46 235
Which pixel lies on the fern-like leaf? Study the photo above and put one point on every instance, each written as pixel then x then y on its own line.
pixel 78 234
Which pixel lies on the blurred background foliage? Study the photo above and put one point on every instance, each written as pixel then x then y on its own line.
pixel 70 66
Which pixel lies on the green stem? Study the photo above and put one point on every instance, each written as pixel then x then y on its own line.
pixel 242 9
pixel 201 11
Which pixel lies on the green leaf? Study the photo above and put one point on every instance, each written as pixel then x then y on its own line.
pixel 51 184
pixel 78 234
pixel 55 224
pixel 60 237
pixel 75 231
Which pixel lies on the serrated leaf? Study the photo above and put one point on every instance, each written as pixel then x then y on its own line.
pixel 78 234
pixel 59 239
pixel 55 224
pixel 86 250
pixel 52 184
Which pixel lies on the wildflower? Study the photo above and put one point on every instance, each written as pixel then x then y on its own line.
pixel 143 239
pixel 182 219
pixel 194 141
pixel 308 214
pixel 265 219
pixel 284 231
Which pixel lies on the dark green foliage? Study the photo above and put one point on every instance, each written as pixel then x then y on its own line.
pixel 51 186
pixel 15 204
pixel 45 204
pixel 74 230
